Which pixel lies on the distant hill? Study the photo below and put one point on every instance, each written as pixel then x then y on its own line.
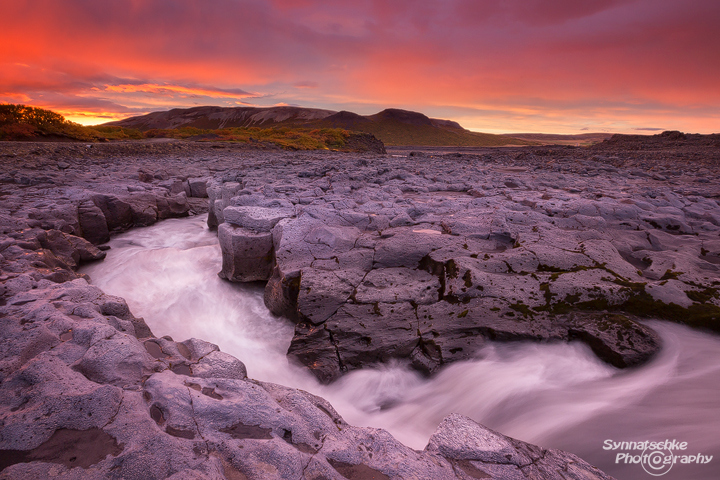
pixel 665 140
pixel 391 126
pixel 557 139
pixel 220 117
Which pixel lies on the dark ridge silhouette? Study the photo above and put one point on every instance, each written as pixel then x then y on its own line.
pixel 392 126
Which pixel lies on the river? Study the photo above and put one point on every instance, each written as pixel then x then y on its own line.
pixel 554 395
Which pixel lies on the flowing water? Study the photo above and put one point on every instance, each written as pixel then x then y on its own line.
pixel 555 395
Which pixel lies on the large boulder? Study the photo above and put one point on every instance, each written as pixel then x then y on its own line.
pixel 247 255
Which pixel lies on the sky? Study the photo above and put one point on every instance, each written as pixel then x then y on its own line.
pixel 552 66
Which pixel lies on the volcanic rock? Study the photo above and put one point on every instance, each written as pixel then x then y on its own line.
pixel 542 255
pixel 87 390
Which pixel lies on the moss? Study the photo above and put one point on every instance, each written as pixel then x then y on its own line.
pixel 559 308
pixel 670 275
pixel 545 288
pixel 522 308
pixel 572 298
pixel 702 296
pixel 696 315
pixel 556 272
pixel 638 302
pixel 570 303
pixel 468 279
pixel 451 269
pixel 608 320
pixel 548 268
pixel 463 314
pixel 595 304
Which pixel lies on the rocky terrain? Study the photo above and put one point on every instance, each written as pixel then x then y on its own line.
pixel 424 259
pixel 87 390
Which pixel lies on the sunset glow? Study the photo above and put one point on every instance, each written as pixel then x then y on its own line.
pixel 555 66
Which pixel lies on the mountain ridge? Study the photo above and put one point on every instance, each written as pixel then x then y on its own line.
pixel 392 126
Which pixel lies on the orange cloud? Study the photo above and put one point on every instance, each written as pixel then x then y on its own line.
pixel 542 65
pixel 171 90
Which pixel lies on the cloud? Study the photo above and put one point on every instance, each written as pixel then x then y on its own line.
pixel 167 90
pixel 306 84
pixel 519 61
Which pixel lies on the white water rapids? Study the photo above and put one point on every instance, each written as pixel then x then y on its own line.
pixel 554 395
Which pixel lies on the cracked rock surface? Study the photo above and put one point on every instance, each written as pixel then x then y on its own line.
pixel 87 390
pixel 425 256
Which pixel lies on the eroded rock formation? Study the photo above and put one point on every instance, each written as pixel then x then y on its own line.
pixel 426 259
pixel 87 390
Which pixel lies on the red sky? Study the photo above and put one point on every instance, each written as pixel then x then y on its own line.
pixel 556 66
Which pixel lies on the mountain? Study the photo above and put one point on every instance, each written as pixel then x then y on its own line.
pixel 221 117
pixel 392 126
pixel 402 127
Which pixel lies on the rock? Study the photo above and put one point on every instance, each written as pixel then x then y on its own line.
pixel 172 206
pixel 219 365
pixel 480 452
pixel 247 255
pixel 93 223
pixel 526 260
pixel 115 360
pixel 320 294
pixel 117 213
pixel 395 285
pixel 198 187
pixel 71 249
pixel 258 219
pixel 615 338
